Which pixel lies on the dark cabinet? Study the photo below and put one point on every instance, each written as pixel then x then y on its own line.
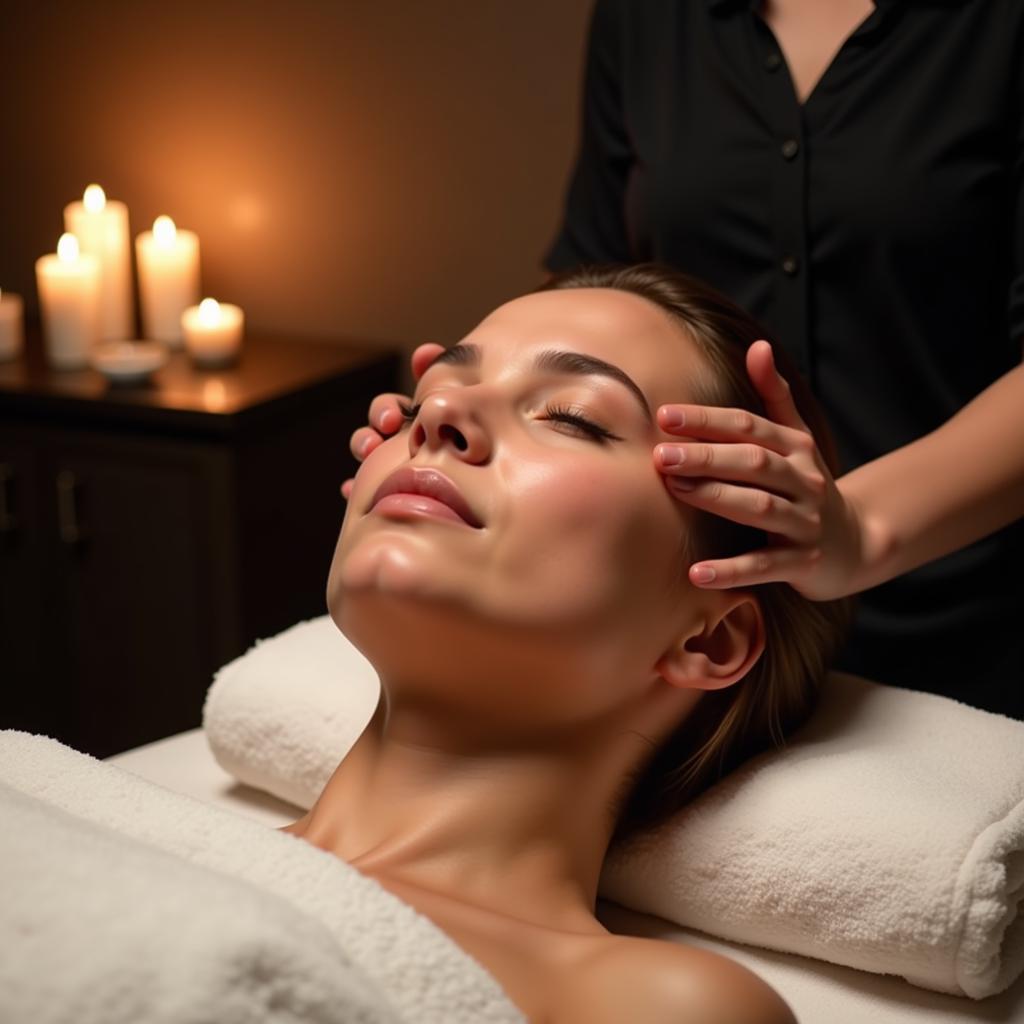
pixel 150 534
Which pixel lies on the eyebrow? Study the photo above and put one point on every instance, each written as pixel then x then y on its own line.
pixel 553 361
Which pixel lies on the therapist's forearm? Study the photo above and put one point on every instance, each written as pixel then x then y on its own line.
pixel 951 487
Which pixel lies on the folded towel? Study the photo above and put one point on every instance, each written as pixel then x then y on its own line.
pixel 98 928
pixel 888 835
pixel 124 901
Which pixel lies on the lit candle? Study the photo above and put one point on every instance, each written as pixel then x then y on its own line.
pixel 168 261
pixel 101 227
pixel 69 299
pixel 213 332
pixel 12 335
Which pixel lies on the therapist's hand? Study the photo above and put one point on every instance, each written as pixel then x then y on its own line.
pixel 766 473
pixel 384 416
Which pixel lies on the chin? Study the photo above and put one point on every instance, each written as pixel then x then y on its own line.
pixel 382 595
pixel 389 566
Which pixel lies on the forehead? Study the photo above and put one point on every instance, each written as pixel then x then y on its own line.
pixel 619 327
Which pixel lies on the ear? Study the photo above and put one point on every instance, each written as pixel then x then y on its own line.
pixel 720 648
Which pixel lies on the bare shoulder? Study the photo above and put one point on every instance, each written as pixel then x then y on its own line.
pixel 661 982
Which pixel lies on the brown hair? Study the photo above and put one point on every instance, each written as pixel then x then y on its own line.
pixel 726 727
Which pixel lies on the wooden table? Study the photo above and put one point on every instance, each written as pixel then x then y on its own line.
pixel 149 534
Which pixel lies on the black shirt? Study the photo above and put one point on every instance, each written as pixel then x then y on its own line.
pixel 876 231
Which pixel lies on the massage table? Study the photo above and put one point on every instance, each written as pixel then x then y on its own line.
pixel 816 990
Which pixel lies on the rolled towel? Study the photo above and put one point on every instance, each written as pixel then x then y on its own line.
pixel 282 716
pixel 888 835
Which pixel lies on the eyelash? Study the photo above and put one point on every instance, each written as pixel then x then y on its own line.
pixel 554 412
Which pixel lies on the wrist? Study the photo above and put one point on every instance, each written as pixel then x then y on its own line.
pixel 875 541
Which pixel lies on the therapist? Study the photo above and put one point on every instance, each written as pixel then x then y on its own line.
pixel 852 173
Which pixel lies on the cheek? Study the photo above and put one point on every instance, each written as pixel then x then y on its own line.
pixel 594 527
pixel 371 473
pixel 385 458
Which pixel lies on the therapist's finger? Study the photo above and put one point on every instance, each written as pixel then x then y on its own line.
pixel 773 388
pixel 714 423
pixel 788 520
pixel 768 565
pixel 346 488
pixel 745 463
pixel 384 415
pixel 363 441
pixel 423 356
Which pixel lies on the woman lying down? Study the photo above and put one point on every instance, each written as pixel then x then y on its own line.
pixel 513 566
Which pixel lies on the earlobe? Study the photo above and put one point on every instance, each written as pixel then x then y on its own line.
pixel 721 647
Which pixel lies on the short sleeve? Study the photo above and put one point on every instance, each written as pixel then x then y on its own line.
pixel 1016 311
pixel 593 228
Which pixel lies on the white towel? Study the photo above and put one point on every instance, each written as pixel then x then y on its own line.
pixel 887 836
pixel 281 716
pixel 125 902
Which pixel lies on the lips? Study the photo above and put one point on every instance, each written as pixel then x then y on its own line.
pixel 430 483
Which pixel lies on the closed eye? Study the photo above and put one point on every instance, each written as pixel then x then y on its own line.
pixel 560 414
pixel 564 415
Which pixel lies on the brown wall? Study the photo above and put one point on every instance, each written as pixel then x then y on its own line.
pixel 386 169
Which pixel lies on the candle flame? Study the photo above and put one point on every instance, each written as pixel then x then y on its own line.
pixel 95 199
pixel 209 312
pixel 67 248
pixel 164 232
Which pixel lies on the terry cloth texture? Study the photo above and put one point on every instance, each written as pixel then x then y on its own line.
pixel 124 901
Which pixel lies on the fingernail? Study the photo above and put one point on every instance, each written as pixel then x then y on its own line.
pixel 670 456
pixel 385 418
pixel 364 447
pixel 702 574
pixel 673 417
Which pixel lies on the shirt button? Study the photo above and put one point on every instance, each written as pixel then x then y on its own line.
pixel 790 148
pixel 772 62
pixel 790 264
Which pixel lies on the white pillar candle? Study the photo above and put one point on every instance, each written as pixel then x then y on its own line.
pixel 213 332
pixel 168 261
pixel 12 334
pixel 101 227
pixel 69 299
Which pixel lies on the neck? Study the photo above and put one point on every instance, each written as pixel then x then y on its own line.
pixel 521 833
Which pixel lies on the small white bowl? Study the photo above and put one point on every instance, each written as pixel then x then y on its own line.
pixel 128 362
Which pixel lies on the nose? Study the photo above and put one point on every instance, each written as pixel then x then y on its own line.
pixel 449 420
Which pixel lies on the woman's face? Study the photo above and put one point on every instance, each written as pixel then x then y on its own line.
pixel 578 547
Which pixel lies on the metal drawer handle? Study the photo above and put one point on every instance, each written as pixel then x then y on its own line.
pixel 8 520
pixel 67 509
